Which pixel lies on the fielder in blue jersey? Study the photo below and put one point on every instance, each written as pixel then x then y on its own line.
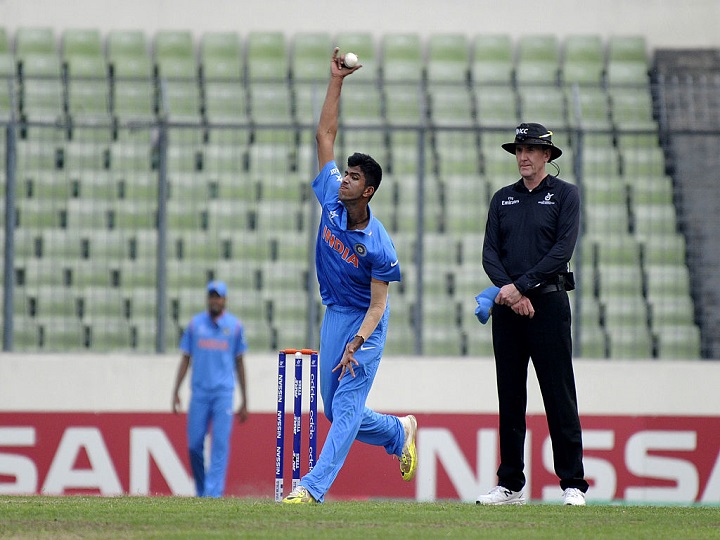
pixel 215 343
pixel 356 261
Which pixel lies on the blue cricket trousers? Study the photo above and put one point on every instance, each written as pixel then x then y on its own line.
pixel 344 400
pixel 212 411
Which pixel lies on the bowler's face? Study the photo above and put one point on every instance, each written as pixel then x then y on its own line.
pixel 352 185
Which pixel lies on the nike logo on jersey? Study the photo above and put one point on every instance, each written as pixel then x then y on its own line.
pixel 394 264
pixel 364 348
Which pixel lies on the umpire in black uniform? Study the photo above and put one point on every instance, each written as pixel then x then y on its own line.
pixel 531 231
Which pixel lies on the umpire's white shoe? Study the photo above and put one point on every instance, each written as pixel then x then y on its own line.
pixel 573 497
pixel 501 495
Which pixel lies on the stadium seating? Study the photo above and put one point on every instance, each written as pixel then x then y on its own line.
pixel 240 112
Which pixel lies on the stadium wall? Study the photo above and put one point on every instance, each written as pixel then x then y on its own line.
pixel 116 382
pixel 664 23
pixel 85 424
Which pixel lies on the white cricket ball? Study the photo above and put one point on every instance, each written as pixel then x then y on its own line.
pixel 350 60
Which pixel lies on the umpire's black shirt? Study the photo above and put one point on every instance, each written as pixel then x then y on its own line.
pixel 530 235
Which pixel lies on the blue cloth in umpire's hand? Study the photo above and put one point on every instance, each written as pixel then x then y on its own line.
pixel 485 301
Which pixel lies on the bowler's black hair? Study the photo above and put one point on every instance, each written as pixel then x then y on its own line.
pixel 370 168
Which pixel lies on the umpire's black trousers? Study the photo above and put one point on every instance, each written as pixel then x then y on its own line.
pixel 546 339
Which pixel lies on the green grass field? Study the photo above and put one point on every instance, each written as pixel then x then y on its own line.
pixel 175 517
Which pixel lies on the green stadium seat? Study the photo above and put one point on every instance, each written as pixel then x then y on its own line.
pixel 87 87
pixel 404 105
pixel 222 158
pixel 457 153
pixel 34 40
pixel 51 301
pixel 103 244
pixel 652 219
pixel 627 74
pixel 267 57
pixel 496 106
pixel 632 343
pixel 405 156
pixel 81 42
pixel 84 155
pixel 667 279
pixel 619 279
pixel 44 184
pixel 478 341
pixel 270 157
pixel 42 97
pixel 546 105
pixel 627 61
pixel 128 157
pixel 448 59
pixel 361 105
pixel 599 161
pixel 604 190
pixel 438 342
pixel 173 44
pixel 134 93
pixel 492 60
pixel 227 103
pixel 61 334
pixel 594 342
pixel 311 56
pixel 627 48
pixel 231 215
pixel 180 93
pixel 583 60
pixel 25 334
pixel 605 219
pixel 678 342
pixel 271 103
pixel 632 109
pixel 189 186
pixel 40 213
pixel 589 107
pixel 663 248
pixel 221 56
pixel 127 43
pixel 538 59
pixel 642 162
pixel 308 99
pixel 451 106
pixel 402 58
pixel 190 273
pixel 669 310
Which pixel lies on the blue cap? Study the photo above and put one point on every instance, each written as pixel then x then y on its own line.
pixel 486 300
pixel 218 287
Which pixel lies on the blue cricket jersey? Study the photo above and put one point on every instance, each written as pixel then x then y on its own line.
pixel 213 347
pixel 347 260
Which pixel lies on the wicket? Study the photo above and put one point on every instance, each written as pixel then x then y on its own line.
pixel 297 417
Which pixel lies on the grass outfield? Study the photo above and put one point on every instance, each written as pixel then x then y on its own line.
pixel 180 517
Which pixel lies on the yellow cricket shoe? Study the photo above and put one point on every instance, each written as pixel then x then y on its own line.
pixel 408 458
pixel 299 495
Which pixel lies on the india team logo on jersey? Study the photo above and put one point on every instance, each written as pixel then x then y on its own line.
pixel 335 243
pixel 360 249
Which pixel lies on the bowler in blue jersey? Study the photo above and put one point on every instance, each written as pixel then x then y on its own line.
pixel 355 262
pixel 214 342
